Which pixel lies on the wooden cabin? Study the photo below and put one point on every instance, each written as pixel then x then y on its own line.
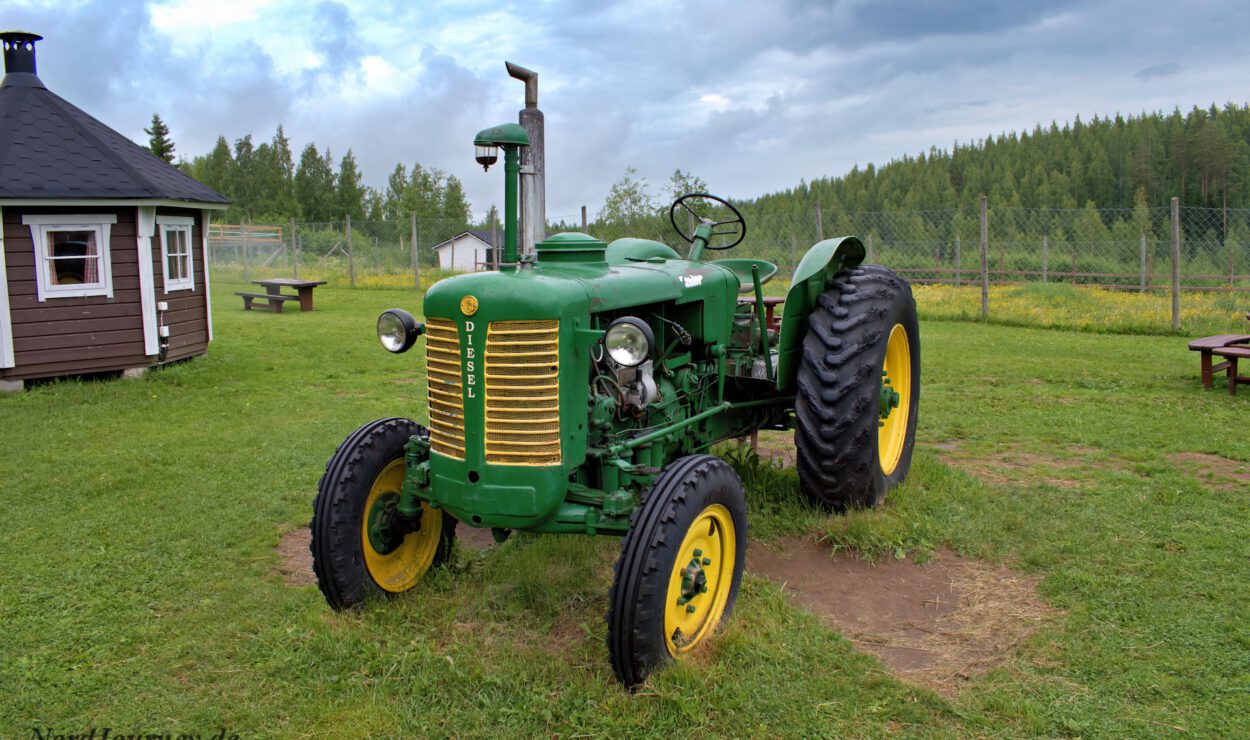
pixel 103 248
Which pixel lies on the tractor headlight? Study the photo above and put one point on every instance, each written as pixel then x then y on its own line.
pixel 629 341
pixel 398 330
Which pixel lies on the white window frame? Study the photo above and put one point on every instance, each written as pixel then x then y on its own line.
pixel 42 226
pixel 185 224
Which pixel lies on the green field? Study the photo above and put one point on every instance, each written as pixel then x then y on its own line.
pixel 141 588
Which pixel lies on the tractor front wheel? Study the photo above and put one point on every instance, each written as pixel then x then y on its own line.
pixel 858 389
pixel 680 566
pixel 361 546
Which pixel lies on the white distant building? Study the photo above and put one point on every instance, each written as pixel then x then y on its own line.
pixel 468 251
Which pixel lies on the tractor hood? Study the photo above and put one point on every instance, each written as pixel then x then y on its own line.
pixel 558 289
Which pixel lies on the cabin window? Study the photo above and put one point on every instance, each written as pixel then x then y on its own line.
pixel 71 255
pixel 177 262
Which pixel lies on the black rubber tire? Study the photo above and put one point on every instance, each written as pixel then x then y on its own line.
pixel 839 386
pixel 636 640
pixel 338 509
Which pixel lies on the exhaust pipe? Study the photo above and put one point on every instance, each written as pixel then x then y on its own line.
pixel 533 165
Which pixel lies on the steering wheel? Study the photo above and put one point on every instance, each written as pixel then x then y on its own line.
pixel 734 227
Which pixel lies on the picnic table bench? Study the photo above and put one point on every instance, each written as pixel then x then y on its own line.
pixel 1231 347
pixel 274 296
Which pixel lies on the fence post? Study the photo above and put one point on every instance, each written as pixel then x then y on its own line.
pixel 958 264
pixel 868 259
pixel 351 253
pixel 583 222
pixel 294 251
pixel 416 262
pixel 985 263
pixel 494 236
pixel 820 227
pixel 1143 262
pixel 246 250
pixel 1176 264
pixel 1230 254
pixel 794 254
pixel 1045 256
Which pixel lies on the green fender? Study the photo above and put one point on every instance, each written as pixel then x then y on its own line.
pixel 820 263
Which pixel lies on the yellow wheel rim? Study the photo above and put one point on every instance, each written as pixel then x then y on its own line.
pixel 401 568
pixel 698 587
pixel 892 435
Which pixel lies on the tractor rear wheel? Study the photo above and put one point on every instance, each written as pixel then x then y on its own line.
pixel 680 566
pixel 858 389
pixel 361 547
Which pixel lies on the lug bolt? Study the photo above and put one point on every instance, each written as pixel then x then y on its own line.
pixel 707 561
pixel 698 553
pixel 683 601
pixel 690 609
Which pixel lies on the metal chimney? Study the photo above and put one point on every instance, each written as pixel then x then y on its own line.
pixel 19 54
pixel 533 164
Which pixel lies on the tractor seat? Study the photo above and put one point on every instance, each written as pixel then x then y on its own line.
pixel 742 268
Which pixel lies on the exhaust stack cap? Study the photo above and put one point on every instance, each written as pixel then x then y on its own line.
pixel 530 78
pixel 19 58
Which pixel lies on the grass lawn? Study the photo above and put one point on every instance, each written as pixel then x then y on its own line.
pixel 140 588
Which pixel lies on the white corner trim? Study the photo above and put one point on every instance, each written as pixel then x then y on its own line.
pixel 208 294
pixel 145 226
pixel 6 319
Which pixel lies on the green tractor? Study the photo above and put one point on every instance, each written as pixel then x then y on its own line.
pixel 579 391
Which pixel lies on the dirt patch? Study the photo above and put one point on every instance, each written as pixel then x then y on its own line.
pixel 1013 464
pixel 1217 472
pixel 295 559
pixel 777 447
pixel 474 538
pixel 937 625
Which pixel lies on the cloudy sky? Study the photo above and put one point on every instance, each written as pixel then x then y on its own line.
pixel 751 96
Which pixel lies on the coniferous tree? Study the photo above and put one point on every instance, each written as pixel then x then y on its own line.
pixel 348 192
pixel 314 186
pixel 159 142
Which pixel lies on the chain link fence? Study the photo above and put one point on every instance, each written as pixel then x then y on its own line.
pixel 347 250
pixel 1119 249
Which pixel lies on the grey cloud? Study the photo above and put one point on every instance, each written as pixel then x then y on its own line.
pixel 904 20
pixel 1158 70
pixel 338 40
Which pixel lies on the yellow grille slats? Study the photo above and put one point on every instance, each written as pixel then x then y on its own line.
pixel 442 358
pixel 522 383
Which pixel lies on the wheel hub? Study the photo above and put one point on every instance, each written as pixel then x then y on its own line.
pixel 693 581
pixel 889 399
pixel 386 526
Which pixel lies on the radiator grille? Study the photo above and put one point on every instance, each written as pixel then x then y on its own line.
pixel 442 358
pixel 523 393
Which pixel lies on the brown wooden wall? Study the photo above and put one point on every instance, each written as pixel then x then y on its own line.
pixel 68 336
pixel 187 317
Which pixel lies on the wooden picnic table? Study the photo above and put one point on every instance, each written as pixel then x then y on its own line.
pixel 274 295
pixel 1231 347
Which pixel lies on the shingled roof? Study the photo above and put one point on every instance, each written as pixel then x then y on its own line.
pixel 52 150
